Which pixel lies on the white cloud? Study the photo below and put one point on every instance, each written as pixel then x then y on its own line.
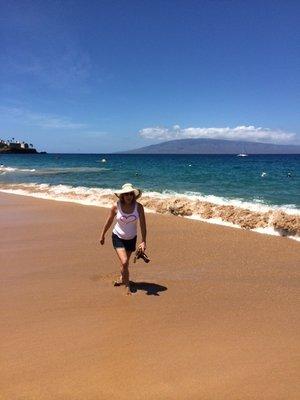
pixel 247 133
pixel 45 121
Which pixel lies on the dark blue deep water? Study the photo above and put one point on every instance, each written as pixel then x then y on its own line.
pixel 264 179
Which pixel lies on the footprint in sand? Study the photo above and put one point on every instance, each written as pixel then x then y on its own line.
pixel 103 277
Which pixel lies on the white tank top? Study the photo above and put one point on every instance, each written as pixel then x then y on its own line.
pixel 126 226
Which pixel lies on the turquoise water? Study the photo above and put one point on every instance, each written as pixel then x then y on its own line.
pixel 264 179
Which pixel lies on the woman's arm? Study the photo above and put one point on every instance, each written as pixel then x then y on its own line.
pixel 109 221
pixel 143 226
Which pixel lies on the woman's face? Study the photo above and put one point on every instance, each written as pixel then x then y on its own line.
pixel 128 197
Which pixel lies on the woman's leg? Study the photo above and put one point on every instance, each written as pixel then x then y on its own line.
pixel 128 252
pixel 124 259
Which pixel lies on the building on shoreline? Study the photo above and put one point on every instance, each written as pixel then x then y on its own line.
pixel 15 146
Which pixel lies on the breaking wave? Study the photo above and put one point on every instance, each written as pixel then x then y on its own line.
pixel 4 170
pixel 53 171
pixel 283 221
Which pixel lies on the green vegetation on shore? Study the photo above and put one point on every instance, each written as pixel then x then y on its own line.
pixel 15 146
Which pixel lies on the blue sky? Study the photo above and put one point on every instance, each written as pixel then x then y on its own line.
pixel 101 76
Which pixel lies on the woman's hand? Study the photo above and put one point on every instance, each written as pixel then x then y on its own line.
pixel 102 240
pixel 142 246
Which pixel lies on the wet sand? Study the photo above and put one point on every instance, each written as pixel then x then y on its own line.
pixel 215 315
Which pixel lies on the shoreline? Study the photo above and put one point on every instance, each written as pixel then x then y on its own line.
pixel 264 220
pixel 214 315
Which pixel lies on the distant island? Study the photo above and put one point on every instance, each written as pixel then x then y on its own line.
pixel 17 147
pixel 214 146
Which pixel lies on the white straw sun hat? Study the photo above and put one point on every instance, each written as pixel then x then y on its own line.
pixel 127 188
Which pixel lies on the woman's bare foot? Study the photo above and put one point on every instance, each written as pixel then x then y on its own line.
pixel 118 282
pixel 128 291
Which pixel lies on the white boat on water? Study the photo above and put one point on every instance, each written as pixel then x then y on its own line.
pixel 242 155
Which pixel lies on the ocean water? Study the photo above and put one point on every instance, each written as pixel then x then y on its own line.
pixel 256 182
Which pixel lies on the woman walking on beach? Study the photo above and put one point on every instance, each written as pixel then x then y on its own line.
pixel 127 212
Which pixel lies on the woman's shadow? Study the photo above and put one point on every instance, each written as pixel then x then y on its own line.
pixel 151 289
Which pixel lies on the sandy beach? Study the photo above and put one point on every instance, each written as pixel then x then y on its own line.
pixel 215 315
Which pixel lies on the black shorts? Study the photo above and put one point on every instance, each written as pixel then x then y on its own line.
pixel 129 245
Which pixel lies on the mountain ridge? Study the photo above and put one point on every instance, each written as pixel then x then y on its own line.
pixel 214 146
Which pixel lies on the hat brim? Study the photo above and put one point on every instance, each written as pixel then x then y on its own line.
pixel 137 192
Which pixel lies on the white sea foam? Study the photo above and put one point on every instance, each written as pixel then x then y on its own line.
pixel 82 195
pixel 212 209
pixel 218 221
pixel 53 170
pixel 68 170
pixel 257 205
pixel 16 170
